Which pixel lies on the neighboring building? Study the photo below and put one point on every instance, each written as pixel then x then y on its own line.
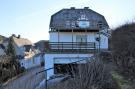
pixel 36 60
pixel 2 50
pixel 75 34
pixel 23 48
pixel 3 44
pixel 41 45
pixel 26 53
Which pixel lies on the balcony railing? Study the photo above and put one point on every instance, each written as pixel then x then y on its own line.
pixel 71 47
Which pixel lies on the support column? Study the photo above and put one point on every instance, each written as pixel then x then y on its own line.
pixel 58 39
pixel 72 39
pixel 86 40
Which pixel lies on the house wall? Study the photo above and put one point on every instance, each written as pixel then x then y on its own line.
pixel 67 37
pixel 50 60
pixel 31 62
pixel 19 50
pixel 104 42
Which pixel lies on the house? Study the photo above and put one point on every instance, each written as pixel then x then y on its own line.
pixel 26 53
pixel 3 44
pixel 2 50
pixel 23 47
pixel 75 34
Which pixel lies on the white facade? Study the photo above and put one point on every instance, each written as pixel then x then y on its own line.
pixel 65 58
pixel 31 62
pixel 72 37
pixel 75 34
pixel 52 59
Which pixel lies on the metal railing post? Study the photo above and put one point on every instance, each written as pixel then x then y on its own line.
pixel 45 79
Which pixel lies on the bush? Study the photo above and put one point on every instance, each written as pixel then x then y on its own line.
pixel 123 47
pixel 22 69
pixel 92 75
pixel 106 57
pixel 9 68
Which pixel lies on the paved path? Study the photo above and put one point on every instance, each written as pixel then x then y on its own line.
pixel 28 80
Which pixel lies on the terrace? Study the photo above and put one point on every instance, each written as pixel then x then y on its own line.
pixel 71 47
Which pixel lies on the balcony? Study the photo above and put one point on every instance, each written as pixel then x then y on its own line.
pixel 71 47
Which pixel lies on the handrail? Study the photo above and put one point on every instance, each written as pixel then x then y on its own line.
pixel 72 44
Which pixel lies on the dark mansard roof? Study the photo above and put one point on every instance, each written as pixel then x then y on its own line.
pixel 77 18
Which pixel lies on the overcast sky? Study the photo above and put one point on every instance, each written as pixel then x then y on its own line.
pixel 30 18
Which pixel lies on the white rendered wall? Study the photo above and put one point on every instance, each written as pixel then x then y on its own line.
pixel 104 42
pixel 67 37
pixel 50 60
pixel 31 62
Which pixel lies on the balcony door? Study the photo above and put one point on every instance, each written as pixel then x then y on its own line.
pixel 81 39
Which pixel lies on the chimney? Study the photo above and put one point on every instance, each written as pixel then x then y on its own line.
pixel 13 35
pixel 86 7
pixel 19 36
pixel 72 8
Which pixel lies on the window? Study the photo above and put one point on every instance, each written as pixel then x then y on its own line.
pixel 83 21
pixel 83 24
pixel 81 38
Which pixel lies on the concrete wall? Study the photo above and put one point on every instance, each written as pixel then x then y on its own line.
pixel 51 59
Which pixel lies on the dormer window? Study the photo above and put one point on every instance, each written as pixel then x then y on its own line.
pixel 83 21
pixel 83 24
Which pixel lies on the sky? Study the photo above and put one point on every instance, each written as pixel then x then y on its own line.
pixel 31 18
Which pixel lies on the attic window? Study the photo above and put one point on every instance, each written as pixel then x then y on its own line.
pixel 83 24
